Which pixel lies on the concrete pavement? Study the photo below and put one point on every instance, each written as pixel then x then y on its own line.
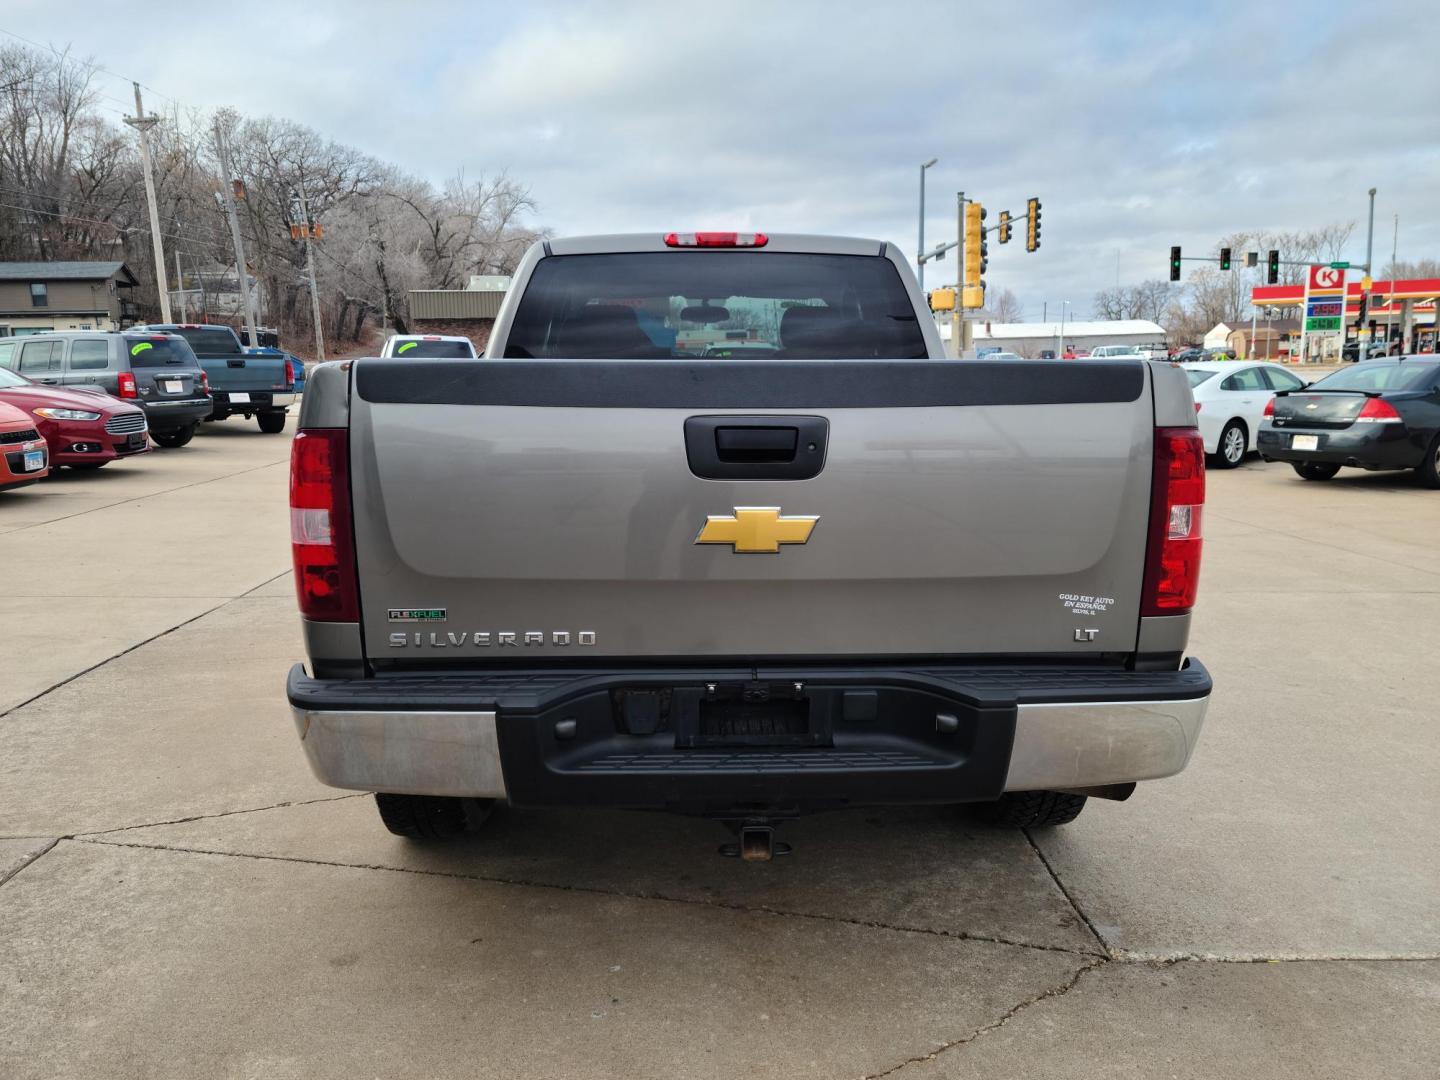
pixel 180 897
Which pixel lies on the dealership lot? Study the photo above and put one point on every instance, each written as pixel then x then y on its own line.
pixel 181 898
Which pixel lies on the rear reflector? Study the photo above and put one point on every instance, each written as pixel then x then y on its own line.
pixel 1177 502
pixel 717 239
pixel 322 543
pixel 1378 411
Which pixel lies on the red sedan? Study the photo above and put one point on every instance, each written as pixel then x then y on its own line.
pixel 22 451
pixel 83 430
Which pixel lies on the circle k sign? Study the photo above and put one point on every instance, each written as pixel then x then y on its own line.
pixel 1323 278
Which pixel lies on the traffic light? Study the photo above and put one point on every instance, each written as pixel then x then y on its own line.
pixel 942 300
pixel 1032 224
pixel 1004 226
pixel 1272 268
pixel 1224 258
pixel 976 250
pixel 1175 263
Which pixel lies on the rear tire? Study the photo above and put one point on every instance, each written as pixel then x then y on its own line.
pixel 1315 470
pixel 1231 446
pixel 1031 809
pixel 1429 471
pixel 174 437
pixel 431 817
pixel 272 423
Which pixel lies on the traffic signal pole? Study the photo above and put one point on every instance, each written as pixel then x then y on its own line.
pixel 957 320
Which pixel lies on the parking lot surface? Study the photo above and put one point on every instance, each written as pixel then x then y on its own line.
pixel 180 898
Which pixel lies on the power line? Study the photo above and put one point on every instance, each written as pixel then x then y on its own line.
pixel 97 67
pixel 108 224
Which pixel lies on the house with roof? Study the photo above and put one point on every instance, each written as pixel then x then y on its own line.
pixel 38 297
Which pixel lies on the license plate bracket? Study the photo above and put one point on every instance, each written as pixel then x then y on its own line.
pixel 240 398
pixel 754 714
pixel 1304 442
pixel 34 460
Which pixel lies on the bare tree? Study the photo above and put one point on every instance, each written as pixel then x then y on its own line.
pixel 1004 306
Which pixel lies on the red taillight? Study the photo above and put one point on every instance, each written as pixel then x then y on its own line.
pixel 1378 411
pixel 289 374
pixel 1197 406
pixel 1270 407
pixel 321 540
pixel 716 239
pixel 204 383
pixel 127 385
pixel 1177 501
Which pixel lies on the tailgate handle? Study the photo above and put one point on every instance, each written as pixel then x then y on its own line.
pixel 759 444
pixel 756 447
pixel 234 363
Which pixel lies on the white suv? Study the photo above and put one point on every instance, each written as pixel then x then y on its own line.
pixel 427 346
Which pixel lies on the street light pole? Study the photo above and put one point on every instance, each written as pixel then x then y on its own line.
pixel 1370 233
pixel 920 251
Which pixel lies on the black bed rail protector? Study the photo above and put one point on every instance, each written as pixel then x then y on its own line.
pixel 533 691
pixel 747 384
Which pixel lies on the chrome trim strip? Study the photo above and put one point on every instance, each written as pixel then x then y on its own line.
pixel 1086 745
pixel 441 753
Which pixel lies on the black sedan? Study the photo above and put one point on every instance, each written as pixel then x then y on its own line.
pixel 1379 414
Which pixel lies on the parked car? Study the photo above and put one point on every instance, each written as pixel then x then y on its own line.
pixel 1047 354
pixel 81 430
pixel 1379 414
pixel 157 372
pixel 23 455
pixel 1118 352
pixel 1188 356
pixel 262 386
pixel 1230 402
pixel 429 346
pixel 1000 354
pixel 540 586
pixel 1351 351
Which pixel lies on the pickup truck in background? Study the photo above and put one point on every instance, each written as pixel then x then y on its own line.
pixel 241 382
pixel 603 569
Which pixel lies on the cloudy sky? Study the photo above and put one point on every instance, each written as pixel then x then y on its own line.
pixel 1139 125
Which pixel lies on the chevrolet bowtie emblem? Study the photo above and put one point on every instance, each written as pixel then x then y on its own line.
pixel 754 529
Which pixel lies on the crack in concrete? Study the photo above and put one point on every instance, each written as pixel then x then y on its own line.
pixel 1074 904
pixel 746 909
pixel 138 645
pixel 48 847
pixel 218 814
pixel 1009 1014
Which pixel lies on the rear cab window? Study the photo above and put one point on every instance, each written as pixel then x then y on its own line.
pixel 718 304
pixel 435 349
pixel 158 351
pixel 217 342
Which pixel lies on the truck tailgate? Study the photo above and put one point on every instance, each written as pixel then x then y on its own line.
pixel 513 510
pixel 245 372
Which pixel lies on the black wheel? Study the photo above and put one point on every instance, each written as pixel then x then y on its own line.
pixel 271 422
pixel 174 436
pixel 431 817
pixel 1429 471
pixel 1232 445
pixel 1030 809
pixel 1314 470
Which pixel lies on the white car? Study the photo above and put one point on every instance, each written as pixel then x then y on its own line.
pixel 417 346
pixel 1118 352
pixel 1230 400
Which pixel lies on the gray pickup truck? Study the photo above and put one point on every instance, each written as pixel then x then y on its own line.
pixel 600 567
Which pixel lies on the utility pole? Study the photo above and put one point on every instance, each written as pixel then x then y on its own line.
pixel 1370 233
pixel 957 320
pixel 310 269
pixel 143 124
pixel 227 193
pixel 180 286
pixel 921 248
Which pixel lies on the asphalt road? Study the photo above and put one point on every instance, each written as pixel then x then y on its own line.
pixel 180 898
